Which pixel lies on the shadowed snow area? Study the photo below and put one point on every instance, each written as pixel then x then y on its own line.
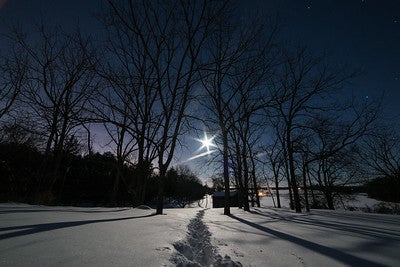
pixel 281 237
pixel 197 250
pixel 70 236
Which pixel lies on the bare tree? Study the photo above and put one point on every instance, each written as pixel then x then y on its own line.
pixel 167 38
pixel 332 146
pixel 380 152
pixel 60 81
pixel 20 129
pixel 255 180
pixel 380 157
pixel 245 133
pixel 12 78
pixel 240 64
pixel 303 86
pixel 305 162
pixel 275 161
pixel 280 141
pixel 113 108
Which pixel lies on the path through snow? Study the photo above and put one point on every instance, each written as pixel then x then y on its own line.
pixel 197 250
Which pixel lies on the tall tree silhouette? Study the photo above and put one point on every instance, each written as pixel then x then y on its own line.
pixel 159 47
pixel 60 80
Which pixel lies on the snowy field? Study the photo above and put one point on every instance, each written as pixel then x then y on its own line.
pixel 359 200
pixel 70 236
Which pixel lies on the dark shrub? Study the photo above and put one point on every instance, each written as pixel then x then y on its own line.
pixel 385 189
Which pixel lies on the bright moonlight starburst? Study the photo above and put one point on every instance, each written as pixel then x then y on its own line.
pixel 206 143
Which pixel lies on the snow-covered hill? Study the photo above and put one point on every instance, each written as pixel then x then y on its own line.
pixel 69 236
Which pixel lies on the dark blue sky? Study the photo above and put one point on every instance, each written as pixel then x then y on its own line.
pixel 364 34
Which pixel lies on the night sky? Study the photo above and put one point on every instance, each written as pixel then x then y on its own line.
pixel 363 34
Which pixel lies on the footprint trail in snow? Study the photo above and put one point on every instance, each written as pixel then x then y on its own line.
pixel 197 250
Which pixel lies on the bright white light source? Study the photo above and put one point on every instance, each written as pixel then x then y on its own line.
pixel 206 143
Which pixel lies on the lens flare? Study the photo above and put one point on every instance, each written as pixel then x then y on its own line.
pixel 206 143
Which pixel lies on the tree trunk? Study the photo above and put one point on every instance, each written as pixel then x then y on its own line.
pixel 255 186
pixel 296 197
pixel 305 188
pixel 329 199
pixel 311 187
pixel 227 209
pixel 246 181
pixel 160 194
pixel 278 200
pixel 115 189
pixel 288 178
pixel 294 192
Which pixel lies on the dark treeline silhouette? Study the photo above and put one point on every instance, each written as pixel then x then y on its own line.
pixel 88 180
pixel 384 188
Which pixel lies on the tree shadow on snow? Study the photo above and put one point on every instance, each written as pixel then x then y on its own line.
pixel 44 227
pixel 16 209
pixel 324 250
pixel 370 217
pixel 352 227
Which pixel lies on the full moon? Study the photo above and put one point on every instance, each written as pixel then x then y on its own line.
pixel 206 142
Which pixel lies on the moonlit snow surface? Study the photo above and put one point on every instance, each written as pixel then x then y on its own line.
pixel 70 236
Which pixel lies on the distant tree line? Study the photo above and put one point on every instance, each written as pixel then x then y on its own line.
pixel 89 180
pixel 382 155
pixel 280 114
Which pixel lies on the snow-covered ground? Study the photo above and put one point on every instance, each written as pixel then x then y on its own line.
pixel 70 236
pixel 359 200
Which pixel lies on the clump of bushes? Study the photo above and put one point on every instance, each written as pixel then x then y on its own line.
pixel 382 207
